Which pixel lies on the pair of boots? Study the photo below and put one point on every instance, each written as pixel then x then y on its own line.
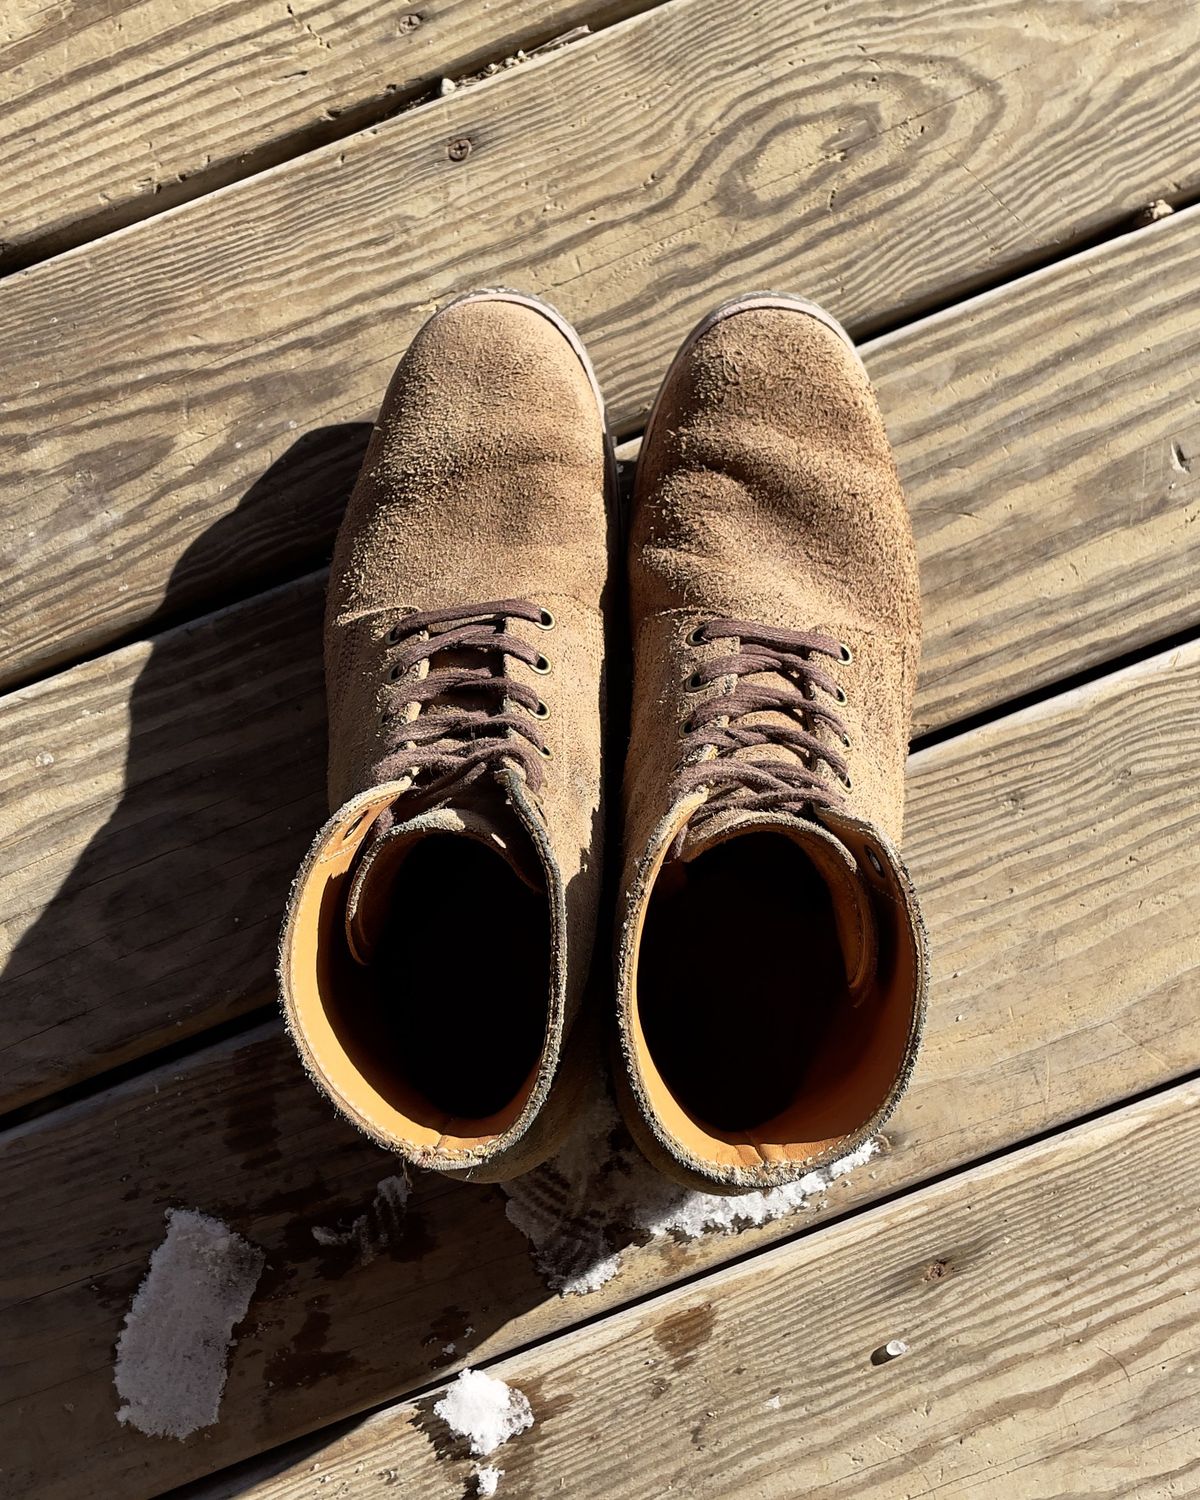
pixel 770 957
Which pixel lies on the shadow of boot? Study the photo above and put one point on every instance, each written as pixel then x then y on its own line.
pixel 163 796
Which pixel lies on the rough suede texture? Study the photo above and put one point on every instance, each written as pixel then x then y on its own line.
pixel 487 478
pixel 766 491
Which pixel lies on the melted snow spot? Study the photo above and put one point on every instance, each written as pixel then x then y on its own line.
pixel 599 1195
pixel 174 1348
pixel 372 1231
pixel 484 1410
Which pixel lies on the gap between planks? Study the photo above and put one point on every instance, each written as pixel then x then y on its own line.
pixel 1037 435
pixel 152 461
pixel 1057 873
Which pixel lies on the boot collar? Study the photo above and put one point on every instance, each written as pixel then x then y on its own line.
pixel 489 818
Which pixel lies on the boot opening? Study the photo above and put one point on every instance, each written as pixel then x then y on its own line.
pixel 449 1018
pixel 741 980
pixel 461 976
pixel 775 999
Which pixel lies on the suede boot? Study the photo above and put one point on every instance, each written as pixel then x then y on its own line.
pixel 439 931
pixel 771 965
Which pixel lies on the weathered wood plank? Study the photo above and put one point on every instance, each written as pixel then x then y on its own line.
pixel 1055 523
pixel 879 157
pixel 1049 1308
pixel 1049 436
pixel 1057 864
pixel 154 804
pixel 117 112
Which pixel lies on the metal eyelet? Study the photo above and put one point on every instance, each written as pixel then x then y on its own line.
pixel 840 695
pixel 542 711
pixel 697 637
pixel 546 751
pixel 694 683
pixel 846 654
pixel 686 727
pixel 873 861
pixel 846 741
pixel 546 622
pixel 542 665
pixel 394 634
pixel 396 672
pixel 846 782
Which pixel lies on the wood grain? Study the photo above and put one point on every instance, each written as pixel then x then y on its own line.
pixel 879 158
pixel 1049 1308
pixel 116 112
pixel 155 804
pixel 1040 439
pixel 1049 439
pixel 1056 859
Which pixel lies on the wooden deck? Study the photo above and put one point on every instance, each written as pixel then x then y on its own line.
pixel 218 230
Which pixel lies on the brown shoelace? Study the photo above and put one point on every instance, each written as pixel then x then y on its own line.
pixel 732 780
pixel 458 745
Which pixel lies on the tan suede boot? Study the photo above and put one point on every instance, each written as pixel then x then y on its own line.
pixel 771 957
pixel 440 930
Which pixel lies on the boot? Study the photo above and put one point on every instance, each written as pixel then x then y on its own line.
pixel 439 931
pixel 771 965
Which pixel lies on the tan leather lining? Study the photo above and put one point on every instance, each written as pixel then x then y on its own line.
pixel 320 977
pixel 852 1079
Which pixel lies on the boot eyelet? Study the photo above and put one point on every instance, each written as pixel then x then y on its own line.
pixel 694 683
pixel 542 711
pixel 396 672
pixel 546 751
pixel 394 635
pixel 846 782
pixel 696 637
pixel 840 695
pixel 686 727
pixel 844 653
pixel 873 861
pixel 846 741
pixel 542 665
pixel 546 622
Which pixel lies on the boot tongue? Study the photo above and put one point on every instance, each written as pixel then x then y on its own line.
pixel 488 821
pixel 849 893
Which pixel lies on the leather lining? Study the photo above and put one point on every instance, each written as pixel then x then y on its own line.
pixel 321 976
pixel 860 1064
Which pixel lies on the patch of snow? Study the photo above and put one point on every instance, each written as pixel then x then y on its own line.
pixel 592 1277
pixel 484 1410
pixel 599 1195
pixel 774 1403
pixel 694 1214
pixel 173 1351
pixel 487 1480
pixel 372 1231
